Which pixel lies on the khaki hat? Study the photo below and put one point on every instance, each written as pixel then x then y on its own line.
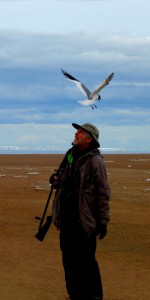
pixel 91 129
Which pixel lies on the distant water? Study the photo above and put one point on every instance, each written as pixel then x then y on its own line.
pixel 48 150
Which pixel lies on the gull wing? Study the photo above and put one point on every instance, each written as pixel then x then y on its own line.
pixel 106 82
pixel 79 85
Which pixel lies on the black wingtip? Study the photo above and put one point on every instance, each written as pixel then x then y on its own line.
pixel 110 77
pixel 68 76
pixel 64 73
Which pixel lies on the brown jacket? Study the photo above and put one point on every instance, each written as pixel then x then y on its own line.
pixel 94 192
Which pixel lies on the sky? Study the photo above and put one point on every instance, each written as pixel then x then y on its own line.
pixel 90 40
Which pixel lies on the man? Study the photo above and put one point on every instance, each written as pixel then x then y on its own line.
pixel 81 212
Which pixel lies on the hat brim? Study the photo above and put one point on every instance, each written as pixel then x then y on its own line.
pixel 77 126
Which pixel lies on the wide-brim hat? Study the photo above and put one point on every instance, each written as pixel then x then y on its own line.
pixel 91 129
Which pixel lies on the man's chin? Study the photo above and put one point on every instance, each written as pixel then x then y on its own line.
pixel 75 143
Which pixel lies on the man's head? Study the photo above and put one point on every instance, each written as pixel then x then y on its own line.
pixel 86 135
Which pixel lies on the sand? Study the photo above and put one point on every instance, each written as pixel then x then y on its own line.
pixel 32 270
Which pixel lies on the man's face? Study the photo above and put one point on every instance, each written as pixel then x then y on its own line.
pixel 82 139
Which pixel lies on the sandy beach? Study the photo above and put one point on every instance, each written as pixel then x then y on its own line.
pixel 32 270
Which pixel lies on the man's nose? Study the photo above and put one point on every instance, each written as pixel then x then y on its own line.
pixel 76 133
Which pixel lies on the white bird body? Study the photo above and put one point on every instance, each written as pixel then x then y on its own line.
pixel 92 97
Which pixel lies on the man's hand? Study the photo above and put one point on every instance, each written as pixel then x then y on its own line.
pixel 54 180
pixel 102 231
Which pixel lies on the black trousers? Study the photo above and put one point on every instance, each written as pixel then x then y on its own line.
pixel 82 274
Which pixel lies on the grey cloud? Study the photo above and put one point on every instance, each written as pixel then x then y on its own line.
pixel 39 50
pixel 30 74
pixel 108 116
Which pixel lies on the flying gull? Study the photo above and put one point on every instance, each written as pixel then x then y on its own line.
pixel 92 97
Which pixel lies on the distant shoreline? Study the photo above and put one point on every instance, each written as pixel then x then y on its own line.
pixel 104 151
pixel 62 154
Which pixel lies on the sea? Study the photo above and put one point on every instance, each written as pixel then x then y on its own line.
pixel 49 150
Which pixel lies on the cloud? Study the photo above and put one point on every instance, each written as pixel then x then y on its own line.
pixel 68 16
pixel 59 137
pixel 34 136
pixel 33 91
pixel 50 50
pixel 125 136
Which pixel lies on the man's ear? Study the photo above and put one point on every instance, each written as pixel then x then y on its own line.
pixel 89 139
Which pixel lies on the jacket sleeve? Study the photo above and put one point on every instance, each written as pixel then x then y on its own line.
pixel 61 173
pixel 102 191
pixel 61 170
